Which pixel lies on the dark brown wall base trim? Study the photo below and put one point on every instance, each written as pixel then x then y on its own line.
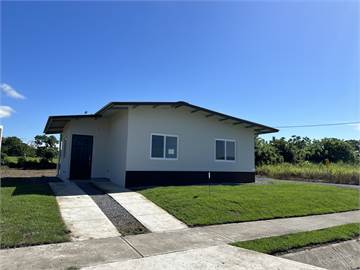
pixel 170 178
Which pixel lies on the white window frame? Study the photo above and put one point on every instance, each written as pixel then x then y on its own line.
pixel 164 153
pixel 225 160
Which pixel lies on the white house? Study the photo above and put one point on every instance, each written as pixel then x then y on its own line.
pixel 156 143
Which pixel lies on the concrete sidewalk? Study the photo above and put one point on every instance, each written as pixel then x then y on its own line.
pixel 154 218
pixel 216 257
pixel 101 251
pixel 339 256
pixel 80 213
pixel 165 242
pixel 66 255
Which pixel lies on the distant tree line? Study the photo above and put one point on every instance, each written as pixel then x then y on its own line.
pixel 299 149
pixel 43 147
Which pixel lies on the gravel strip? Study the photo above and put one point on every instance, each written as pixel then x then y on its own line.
pixel 124 222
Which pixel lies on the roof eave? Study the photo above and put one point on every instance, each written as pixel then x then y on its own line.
pixel 47 129
pixel 258 128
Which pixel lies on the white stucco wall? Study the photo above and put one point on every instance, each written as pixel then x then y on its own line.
pixel 109 146
pixel 117 144
pixel 121 141
pixel 98 128
pixel 196 140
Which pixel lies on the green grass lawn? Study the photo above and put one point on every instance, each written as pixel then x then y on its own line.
pixel 29 215
pixel 194 205
pixel 276 244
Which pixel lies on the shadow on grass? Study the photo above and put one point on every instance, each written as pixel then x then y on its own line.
pixel 29 185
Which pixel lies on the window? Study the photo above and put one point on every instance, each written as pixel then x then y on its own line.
pixel 225 150
pixel 157 146
pixel 164 146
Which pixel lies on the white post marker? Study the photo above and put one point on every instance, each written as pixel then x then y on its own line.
pixel 209 177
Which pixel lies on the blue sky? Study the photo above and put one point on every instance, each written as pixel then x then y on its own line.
pixel 277 63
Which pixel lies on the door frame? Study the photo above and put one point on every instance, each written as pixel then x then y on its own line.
pixel 71 156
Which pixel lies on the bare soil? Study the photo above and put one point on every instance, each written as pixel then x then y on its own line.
pixel 6 172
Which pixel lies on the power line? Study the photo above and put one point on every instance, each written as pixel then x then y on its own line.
pixel 322 125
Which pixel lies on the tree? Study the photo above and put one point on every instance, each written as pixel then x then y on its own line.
pixel 299 149
pixel 285 149
pixel 337 150
pixel 13 146
pixel 46 147
pixel 266 153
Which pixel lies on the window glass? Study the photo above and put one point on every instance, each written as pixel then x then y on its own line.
pixel 220 150
pixel 171 147
pixel 157 146
pixel 230 150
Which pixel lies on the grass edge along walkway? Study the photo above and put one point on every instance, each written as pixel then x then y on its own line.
pixel 289 242
pixel 196 206
pixel 29 215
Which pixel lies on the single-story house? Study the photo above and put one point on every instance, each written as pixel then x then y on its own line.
pixel 156 143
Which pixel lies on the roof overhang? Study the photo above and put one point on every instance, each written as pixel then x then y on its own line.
pixel 56 124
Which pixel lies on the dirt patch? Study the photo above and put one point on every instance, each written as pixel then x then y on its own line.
pixel 6 172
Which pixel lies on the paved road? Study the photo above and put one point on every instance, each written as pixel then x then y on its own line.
pixel 261 179
pixel 100 251
pixel 340 256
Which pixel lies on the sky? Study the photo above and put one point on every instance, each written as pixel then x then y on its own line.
pixel 277 63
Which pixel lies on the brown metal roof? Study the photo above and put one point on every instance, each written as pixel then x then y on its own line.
pixel 56 124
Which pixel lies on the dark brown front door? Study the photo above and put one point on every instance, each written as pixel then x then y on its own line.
pixel 81 157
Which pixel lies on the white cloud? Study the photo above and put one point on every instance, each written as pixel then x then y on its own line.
pixel 356 126
pixel 11 92
pixel 5 111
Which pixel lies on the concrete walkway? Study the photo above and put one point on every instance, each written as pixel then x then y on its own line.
pixel 80 213
pixel 340 256
pixel 101 251
pixel 217 257
pixel 154 218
